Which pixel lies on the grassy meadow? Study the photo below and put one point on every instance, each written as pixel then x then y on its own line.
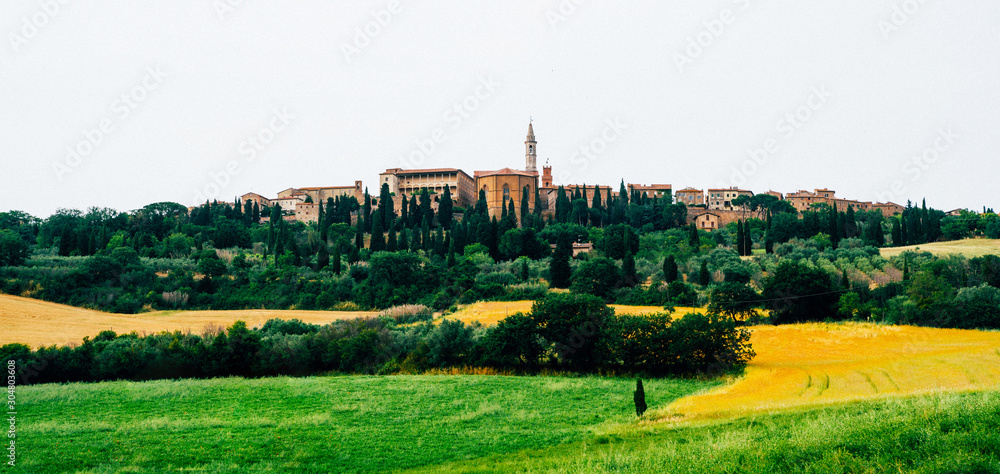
pixel 317 424
pixel 939 433
pixel 967 247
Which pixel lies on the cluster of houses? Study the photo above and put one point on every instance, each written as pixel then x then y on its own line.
pixel 708 210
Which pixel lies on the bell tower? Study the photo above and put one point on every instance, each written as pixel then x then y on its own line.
pixel 530 150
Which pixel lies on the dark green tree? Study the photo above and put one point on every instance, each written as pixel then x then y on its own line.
pixel 639 398
pixel 704 277
pixel 670 273
pixel 559 268
pixel 446 209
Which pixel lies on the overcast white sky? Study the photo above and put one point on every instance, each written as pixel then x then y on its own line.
pixel 844 95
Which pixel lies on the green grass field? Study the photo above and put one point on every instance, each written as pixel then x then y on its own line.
pixel 947 433
pixel 316 424
pixel 480 424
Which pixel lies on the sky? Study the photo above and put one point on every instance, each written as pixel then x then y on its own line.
pixel 122 104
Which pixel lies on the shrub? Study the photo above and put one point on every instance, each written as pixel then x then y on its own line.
pixel 597 277
pixel 450 344
pixel 573 328
pixel 799 293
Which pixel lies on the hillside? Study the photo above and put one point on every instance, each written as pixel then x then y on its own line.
pixel 38 323
pixel 818 364
pixel 968 247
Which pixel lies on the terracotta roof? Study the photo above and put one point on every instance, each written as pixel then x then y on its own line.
pixel 651 186
pixel 324 187
pixel 505 171
pixel 423 171
pixel 689 190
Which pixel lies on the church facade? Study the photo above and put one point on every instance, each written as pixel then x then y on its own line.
pixel 507 184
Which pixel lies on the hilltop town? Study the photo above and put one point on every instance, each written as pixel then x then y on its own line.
pixel 707 208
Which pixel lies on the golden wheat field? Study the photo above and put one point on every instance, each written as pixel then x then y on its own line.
pixel 492 312
pixel 38 323
pixel 816 364
pixel 968 247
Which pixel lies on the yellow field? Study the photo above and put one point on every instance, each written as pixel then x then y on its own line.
pixel 968 247
pixel 492 312
pixel 816 364
pixel 37 323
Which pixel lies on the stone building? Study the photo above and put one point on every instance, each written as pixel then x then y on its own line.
pixel 322 193
pixel 405 183
pixel 722 198
pixel 507 183
pixel 658 191
pixel 691 196
pixel 261 201
pixel 708 221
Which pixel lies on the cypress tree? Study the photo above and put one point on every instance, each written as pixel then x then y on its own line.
pixel 415 243
pixel 747 241
pixel 693 240
pixel 451 252
pixel 897 234
pixel 403 243
pixel 639 398
pixel 503 209
pixel 903 229
pixel 378 238
pixel 704 278
pixel 335 259
pixel 446 209
pixel 523 221
pixel 426 213
pixel 538 204
pixel 415 217
pixel 322 257
pixel 425 233
pixel 440 246
pixel 739 238
pixel 562 205
pixel 669 269
pixel 385 206
pixel 525 274
pixel 392 244
pixel 628 269
pixel 481 207
pixel 367 209
pixel 559 268
pixel 404 211
pixel 834 226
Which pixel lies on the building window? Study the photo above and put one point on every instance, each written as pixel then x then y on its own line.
pixel 506 192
